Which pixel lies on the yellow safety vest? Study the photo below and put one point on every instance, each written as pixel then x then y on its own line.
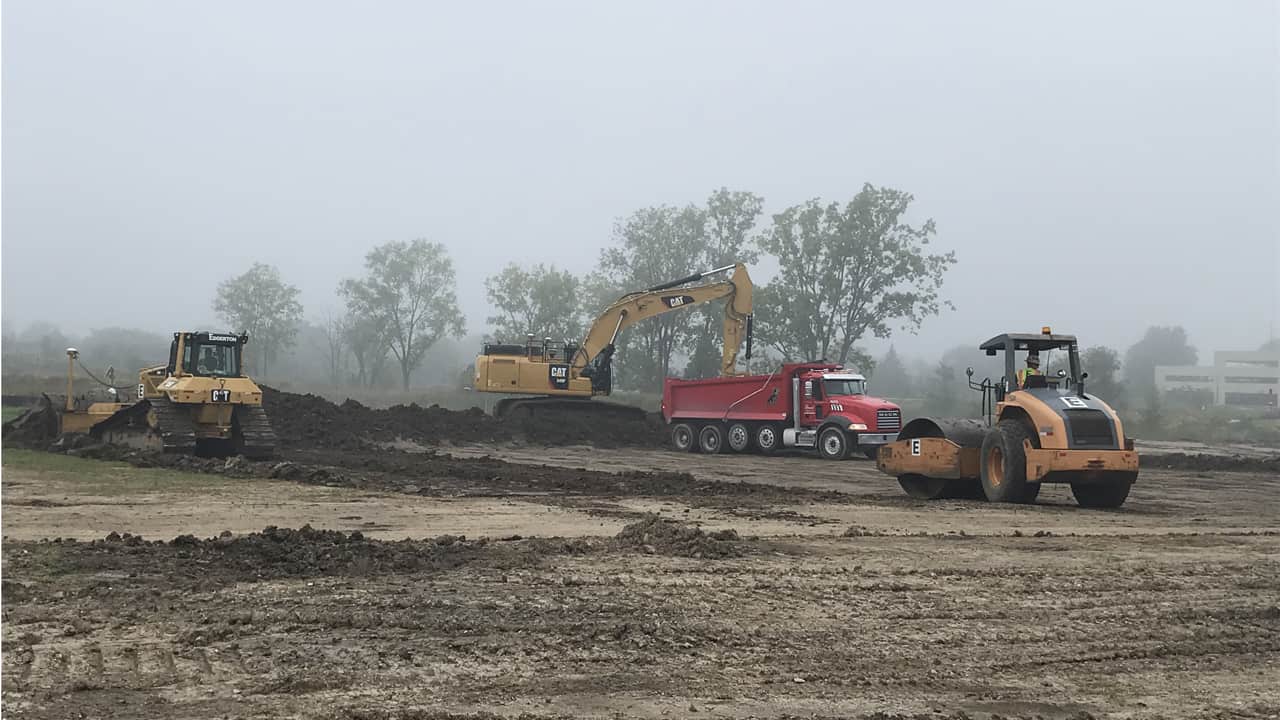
pixel 1023 373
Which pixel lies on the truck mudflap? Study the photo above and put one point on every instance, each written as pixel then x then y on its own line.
pixel 931 457
pixel 1078 465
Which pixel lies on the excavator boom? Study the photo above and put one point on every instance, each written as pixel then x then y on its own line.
pixel 585 370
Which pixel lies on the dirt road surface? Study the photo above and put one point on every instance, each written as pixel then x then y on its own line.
pixel 836 596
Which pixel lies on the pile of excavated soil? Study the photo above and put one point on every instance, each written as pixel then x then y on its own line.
pixel 658 536
pixel 284 553
pixel 1208 462
pixel 310 421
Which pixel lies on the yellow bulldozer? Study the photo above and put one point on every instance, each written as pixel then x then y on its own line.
pixel 200 402
pixel 559 374
pixel 1045 429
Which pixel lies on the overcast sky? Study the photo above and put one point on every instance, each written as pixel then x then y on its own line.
pixel 1096 166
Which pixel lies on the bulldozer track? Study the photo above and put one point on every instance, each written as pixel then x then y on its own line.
pixel 255 438
pixel 174 426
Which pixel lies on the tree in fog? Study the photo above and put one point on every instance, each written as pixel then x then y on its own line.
pixel 891 379
pixel 1103 365
pixel 335 340
pixel 651 246
pixel 540 300
pixel 1159 346
pixel 846 271
pixel 730 218
pixel 410 290
pixel 368 340
pixel 261 304
pixel 943 392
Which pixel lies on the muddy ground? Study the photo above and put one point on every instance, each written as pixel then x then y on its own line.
pixel 505 579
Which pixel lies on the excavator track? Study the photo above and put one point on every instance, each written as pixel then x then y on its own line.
pixel 252 431
pixel 531 406
pixel 155 424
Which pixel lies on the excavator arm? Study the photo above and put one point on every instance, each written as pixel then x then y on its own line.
pixel 593 359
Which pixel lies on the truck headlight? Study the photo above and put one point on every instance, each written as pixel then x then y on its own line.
pixel 857 426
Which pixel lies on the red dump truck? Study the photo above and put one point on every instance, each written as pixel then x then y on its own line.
pixel 803 405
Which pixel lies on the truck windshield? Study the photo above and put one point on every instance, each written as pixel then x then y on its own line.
pixel 843 387
pixel 213 360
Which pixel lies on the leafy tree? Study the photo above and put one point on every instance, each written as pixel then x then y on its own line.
pixel 730 217
pixel 541 300
pixel 845 271
pixel 891 378
pixel 261 304
pixel 1159 346
pixel 368 339
pixel 410 291
pixel 1103 365
pixel 652 246
pixel 942 394
pixel 335 337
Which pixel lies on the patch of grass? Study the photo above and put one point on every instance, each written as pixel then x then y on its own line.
pixel 100 477
pixel 9 412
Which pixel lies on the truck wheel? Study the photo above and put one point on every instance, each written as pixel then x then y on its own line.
pixel 833 444
pixel 682 437
pixel 738 437
pixel 711 439
pixel 1107 494
pixel 1004 463
pixel 768 438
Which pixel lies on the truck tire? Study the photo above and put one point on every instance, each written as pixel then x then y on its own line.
pixel 683 437
pixel 871 453
pixel 711 439
pixel 738 437
pixel 768 439
pixel 1004 463
pixel 833 444
pixel 1107 494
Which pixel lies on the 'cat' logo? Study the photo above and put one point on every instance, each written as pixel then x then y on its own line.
pixel 675 301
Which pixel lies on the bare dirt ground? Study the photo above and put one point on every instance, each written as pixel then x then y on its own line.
pixel 511 580
pixel 1167 608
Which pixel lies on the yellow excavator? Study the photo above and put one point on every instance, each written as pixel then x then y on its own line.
pixel 566 374
pixel 200 402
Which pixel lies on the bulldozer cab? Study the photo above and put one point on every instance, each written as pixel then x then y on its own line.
pixel 206 354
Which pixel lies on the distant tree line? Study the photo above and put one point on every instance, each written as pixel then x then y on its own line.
pixel 846 271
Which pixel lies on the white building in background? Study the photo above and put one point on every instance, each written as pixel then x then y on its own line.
pixel 1234 378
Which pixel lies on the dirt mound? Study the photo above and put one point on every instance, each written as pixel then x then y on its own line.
pixel 310 421
pixel 1207 462
pixel 658 536
pixel 288 553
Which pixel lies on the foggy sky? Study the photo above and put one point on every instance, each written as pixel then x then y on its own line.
pixel 1095 166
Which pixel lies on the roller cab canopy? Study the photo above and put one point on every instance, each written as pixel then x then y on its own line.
pixel 1027 341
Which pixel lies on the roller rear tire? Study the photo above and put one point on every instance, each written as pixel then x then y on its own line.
pixel 1107 494
pixel 1004 463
